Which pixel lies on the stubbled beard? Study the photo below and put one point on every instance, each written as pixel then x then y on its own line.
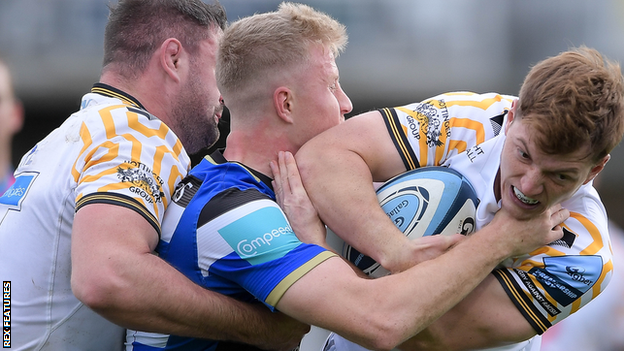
pixel 196 124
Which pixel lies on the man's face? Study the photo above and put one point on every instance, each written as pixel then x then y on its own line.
pixel 199 106
pixel 322 103
pixel 532 181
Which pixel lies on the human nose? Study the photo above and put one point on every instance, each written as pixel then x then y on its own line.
pixel 532 182
pixel 345 103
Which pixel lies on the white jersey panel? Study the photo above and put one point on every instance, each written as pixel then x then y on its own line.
pixel 111 151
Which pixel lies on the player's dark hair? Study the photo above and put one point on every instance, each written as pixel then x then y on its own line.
pixel 136 28
pixel 572 100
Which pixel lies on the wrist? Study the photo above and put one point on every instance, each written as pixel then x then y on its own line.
pixel 489 241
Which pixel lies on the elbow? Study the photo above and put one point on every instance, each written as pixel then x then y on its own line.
pixel 384 334
pixel 94 290
pixel 390 337
pixel 381 341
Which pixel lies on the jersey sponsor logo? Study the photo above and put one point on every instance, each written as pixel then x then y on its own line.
pixel 426 116
pixel 261 236
pixel 473 152
pixel 86 102
pixel 536 293
pixel 185 191
pixel 145 182
pixel 14 195
pixel 567 278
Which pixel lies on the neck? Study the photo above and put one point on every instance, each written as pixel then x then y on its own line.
pixel 254 149
pixel 141 89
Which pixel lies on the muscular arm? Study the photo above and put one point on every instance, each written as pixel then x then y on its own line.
pixel 115 273
pixel 371 314
pixel 485 318
pixel 376 316
pixel 338 168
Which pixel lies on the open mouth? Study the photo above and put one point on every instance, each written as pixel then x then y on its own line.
pixel 523 198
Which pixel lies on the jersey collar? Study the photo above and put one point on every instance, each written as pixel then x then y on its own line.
pixel 109 91
pixel 217 158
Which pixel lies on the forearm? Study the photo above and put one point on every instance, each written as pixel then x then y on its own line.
pixel 341 188
pixel 486 318
pixel 384 312
pixel 189 310
pixel 116 275
pixel 437 285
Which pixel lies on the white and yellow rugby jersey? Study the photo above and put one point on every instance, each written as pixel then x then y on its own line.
pixel 111 151
pixel 549 284
pixel 429 132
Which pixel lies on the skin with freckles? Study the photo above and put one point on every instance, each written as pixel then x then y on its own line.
pixel 530 180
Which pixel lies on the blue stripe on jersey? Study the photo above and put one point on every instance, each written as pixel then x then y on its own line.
pixel 263 249
pixel 236 276
pixel 231 238
pixel 178 343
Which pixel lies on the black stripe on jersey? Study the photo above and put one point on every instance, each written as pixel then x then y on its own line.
pixel 227 200
pixel 399 138
pixel 119 200
pixel 217 158
pixel 497 122
pixel 524 304
pixel 107 90
pixel 567 240
pixel 142 112
pixel 186 190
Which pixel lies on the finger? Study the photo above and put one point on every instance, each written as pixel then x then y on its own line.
pixel 559 216
pixel 294 178
pixel 454 239
pixel 284 173
pixel 277 181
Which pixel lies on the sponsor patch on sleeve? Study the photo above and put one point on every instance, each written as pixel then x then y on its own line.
pixel 567 278
pixel 261 236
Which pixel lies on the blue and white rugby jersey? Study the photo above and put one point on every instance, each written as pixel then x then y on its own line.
pixel 225 232
pixel 111 151
pixel 462 131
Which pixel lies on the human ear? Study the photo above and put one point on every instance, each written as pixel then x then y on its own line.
pixel 170 54
pixel 283 103
pixel 597 169
pixel 511 115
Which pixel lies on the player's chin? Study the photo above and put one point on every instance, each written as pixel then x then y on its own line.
pixel 522 211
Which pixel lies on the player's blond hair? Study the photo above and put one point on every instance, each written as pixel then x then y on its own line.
pixel 255 47
pixel 572 100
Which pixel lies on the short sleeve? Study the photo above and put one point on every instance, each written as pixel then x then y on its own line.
pixel 129 158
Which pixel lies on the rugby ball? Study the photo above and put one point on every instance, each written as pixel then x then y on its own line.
pixel 421 202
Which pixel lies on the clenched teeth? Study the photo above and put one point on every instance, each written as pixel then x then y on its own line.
pixel 524 198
